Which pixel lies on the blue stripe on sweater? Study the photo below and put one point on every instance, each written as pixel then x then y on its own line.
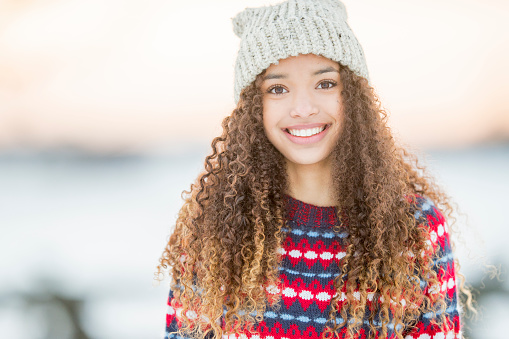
pixel 310 275
pixel 314 234
pixel 319 320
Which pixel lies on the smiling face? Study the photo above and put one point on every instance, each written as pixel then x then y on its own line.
pixel 302 114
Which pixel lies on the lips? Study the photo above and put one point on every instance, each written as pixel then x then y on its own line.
pixel 306 134
pixel 305 131
pixel 318 124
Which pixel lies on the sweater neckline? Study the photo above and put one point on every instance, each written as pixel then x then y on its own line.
pixel 305 214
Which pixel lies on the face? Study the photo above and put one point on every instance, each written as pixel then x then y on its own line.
pixel 302 111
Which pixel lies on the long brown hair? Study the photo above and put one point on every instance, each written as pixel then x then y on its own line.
pixel 224 249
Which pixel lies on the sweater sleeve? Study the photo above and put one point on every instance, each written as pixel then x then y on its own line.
pixel 172 322
pixel 173 319
pixel 443 265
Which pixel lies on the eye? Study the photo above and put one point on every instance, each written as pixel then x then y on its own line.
pixel 328 84
pixel 278 89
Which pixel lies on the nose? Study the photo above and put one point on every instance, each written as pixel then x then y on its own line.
pixel 303 105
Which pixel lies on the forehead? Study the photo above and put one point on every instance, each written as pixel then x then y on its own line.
pixel 302 63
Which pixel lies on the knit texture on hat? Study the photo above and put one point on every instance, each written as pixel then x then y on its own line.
pixel 271 33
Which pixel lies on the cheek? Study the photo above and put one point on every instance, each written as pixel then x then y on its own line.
pixel 269 120
pixel 266 126
pixel 338 109
pixel 265 121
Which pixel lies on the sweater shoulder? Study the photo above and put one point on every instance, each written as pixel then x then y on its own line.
pixel 426 212
pixel 431 218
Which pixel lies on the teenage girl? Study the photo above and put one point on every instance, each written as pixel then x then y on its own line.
pixel 308 220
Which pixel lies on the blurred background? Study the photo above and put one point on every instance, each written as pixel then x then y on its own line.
pixel 108 108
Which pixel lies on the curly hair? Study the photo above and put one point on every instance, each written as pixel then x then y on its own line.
pixel 224 249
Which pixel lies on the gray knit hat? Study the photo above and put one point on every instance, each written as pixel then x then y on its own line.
pixel 271 33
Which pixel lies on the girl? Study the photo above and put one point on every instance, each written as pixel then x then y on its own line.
pixel 308 220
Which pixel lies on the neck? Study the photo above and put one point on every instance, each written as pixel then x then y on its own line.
pixel 312 183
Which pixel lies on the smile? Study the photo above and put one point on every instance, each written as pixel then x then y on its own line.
pixel 308 135
pixel 306 132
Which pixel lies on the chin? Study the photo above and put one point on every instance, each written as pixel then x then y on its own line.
pixel 301 159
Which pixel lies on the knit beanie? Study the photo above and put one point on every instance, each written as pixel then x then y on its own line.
pixel 271 33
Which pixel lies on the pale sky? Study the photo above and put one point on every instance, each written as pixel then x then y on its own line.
pixel 137 75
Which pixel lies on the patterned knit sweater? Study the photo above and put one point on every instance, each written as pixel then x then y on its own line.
pixel 311 252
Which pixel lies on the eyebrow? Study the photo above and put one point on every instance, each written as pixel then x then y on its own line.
pixel 284 75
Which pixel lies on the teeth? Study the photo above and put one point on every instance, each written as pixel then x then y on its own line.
pixel 306 132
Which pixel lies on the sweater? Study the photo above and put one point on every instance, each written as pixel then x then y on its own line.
pixel 311 252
